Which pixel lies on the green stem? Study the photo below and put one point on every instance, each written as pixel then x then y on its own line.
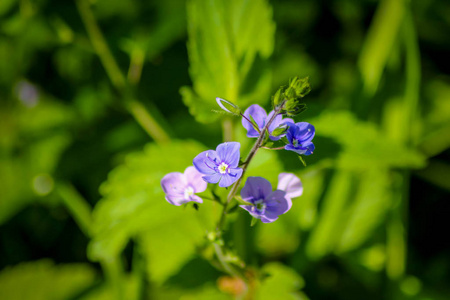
pixel 137 109
pixel 77 206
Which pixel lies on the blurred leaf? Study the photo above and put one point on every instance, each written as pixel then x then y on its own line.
pixel 371 203
pixel 327 232
pixel 229 44
pixel 363 145
pixel 44 280
pixel 107 292
pixel 6 5
pixel 32 141
pixel 379 42
pixel 134 207
pixel 282 283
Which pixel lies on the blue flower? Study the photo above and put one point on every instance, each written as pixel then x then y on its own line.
pixel 300 136
pixel 261 118
pixel 267 205
pixel 220 165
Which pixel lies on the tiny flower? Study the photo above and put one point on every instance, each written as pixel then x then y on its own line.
pixel 220 165
pixel 267 205
pixel 261 118
pixel 181 188
pixel 300 136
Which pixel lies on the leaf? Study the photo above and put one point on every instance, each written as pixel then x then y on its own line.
pixel 363 145
pixel 282 283
pixel 229 46
pixel 133 206
pixel 44 280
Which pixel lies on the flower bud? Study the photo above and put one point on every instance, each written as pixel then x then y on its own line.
pixel 280 130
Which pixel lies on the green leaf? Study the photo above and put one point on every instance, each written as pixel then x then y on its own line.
pixel 229 46
pixel 44 280
pixel 363 145
pixel 133 206
pixel 282 283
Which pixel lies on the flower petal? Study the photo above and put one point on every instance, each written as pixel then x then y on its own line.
pixel 231 177
pixel 256 188
pixel 229 153
pixel 309 148
pixel 214 178
pixel 196 198
pixel 195 180
pixel 173 184
pixel 290 184
pixel 259 115
pixel 297 150
pixel 305 131
pixel 277 203
pixel 176 199
pixel 206 161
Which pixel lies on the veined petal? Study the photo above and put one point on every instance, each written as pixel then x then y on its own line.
pixel 309 148
pixel 206 161
pixel 290 184
pixel 290 133
pixel 297 150
pixel 229 153
pixel 256 188
pixel 214 178
pixel 258 114
pixel 195 180
pixel 277 203
pixel 230 178
pixel 305 131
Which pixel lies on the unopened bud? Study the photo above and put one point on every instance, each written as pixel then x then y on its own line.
pixel 280 130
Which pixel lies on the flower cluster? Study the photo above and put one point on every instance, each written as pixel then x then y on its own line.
pixel 224 167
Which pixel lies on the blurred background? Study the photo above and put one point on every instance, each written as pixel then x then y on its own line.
pixel 99 99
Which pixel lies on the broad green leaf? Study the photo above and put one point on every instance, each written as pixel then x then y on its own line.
pixel 229 45
pixel 282 282
pixel 44 280
pixel 362 144
pixel 133 206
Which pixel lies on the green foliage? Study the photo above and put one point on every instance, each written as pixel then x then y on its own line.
pixel 133 206
pixel 363 145
pixel 281 283
pixel 44 280
pixel 228 42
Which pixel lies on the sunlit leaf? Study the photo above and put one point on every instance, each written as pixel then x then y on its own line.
pixel 134 207
pixel 45 280
pixel 281 283
pixel 229 44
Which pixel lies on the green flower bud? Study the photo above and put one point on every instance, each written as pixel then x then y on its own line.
pixel 280 130
pixel 228 106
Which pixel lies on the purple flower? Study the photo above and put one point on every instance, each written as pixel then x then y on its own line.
pixel 261 118
pixel 267 205
pixel 180 188
pixel 299 136
pixel 220 165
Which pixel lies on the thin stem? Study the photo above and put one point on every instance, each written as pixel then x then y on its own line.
pixel 99 44
pixel 250 156
pixel 277 148
pixel 256 128
pixel 137 109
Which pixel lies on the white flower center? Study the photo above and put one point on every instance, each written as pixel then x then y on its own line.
pixel 223 167
pixel 188 192
pixel 259 206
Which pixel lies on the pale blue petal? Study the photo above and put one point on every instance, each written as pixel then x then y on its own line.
pixel 229 153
